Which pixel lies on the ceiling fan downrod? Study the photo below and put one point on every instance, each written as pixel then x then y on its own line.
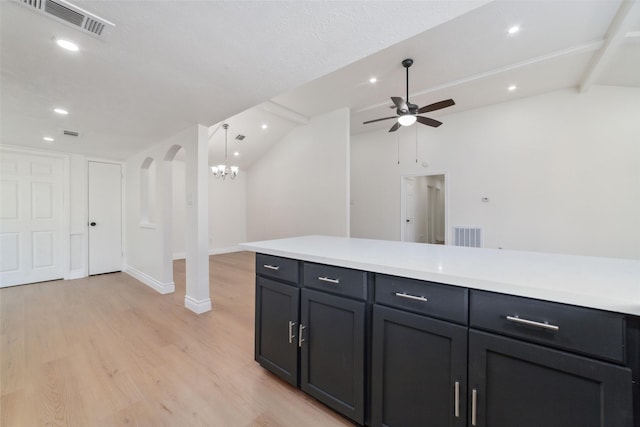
pixel 406 64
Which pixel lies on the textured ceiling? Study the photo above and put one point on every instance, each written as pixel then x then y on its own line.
pixel 472 59
pixel 171 64
pixel 168 65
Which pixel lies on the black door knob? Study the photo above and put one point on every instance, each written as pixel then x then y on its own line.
pixel 408 220
pixel 93 224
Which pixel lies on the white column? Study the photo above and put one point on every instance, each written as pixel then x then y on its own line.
pixel 165 181
pixel 197 228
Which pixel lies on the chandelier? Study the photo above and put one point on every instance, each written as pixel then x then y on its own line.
pixel 221 171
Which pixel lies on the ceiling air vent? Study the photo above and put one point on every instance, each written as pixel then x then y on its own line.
pixel 70 133
pixel 70 14
pixel 240 137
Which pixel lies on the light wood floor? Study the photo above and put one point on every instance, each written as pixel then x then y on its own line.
pixel 110 351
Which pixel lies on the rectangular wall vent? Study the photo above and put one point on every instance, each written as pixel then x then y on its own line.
pixel 467 236
pixel 70 14
pixel 70 133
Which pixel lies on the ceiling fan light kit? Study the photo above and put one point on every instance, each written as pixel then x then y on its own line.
pixel 407 113
pixel 407 119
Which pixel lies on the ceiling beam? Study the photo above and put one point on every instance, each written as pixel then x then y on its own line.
pixel 614 37
pixel 587 47
pixel 284 112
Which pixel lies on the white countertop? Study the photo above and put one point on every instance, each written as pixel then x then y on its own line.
pixel 604 283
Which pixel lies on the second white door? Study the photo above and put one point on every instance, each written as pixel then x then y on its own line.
pixel 105 217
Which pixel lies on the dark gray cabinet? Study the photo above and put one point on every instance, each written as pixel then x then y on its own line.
pixel 276 346
pixel 514 383
pixel 419 370
pixel 310 330
pixel 332 351
pixel 541 363
pixel 392 351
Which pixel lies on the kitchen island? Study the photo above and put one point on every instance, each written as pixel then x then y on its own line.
pixel 396 333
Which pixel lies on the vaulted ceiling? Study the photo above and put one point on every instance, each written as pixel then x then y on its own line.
pixel 169 65
pixel 473 59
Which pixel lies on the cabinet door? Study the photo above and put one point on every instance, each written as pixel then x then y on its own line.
pixel 332 352
pixel 419 370
pixel 527 385
pixel 276 346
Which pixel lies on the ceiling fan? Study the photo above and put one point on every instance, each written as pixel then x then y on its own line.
pixel 407 113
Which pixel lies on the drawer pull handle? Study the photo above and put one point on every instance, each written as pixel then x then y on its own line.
pixel 413 297
pixel 300 339
pixel 272 267
pixel 533 323
pixel 474 404
pixel 291 326
pixel 456 393
pixel 330 280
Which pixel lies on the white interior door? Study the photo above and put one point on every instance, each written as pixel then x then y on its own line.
pixel 105 217
pixel 409 210
pixel 31 219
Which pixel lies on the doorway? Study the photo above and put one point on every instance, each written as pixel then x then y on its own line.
pixel 105 217
pixel 423 209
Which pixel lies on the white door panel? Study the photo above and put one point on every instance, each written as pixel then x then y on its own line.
pixel 105 212
pixel 31 219
pixel 409 210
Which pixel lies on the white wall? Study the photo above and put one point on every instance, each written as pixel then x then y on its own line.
pixel 148 245
pixel 179 203
pixel 78 207
pixel 561 170
pixel 301 185
pixel 227 212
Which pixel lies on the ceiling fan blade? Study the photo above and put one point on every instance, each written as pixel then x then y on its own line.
pixel 436 106
pixel 429 122
pixel 395 127
pixel 400 103
pixel 377 120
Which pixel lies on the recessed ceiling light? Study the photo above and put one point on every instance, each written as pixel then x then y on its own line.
pixel 48 139
pixel 264 126
pixel 512 88
pixel 66 44
pixel 61 111
pixel 236 154
pixel 373 80
pixel 513 29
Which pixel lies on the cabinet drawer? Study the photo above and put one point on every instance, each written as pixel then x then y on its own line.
pixel 337 280
pixel 583 330
pixel 278 268
pixel 433 299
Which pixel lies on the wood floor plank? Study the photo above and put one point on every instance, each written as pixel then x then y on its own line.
pixel 109 351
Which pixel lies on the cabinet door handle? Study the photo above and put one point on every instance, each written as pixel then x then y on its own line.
pixel 456 396
pixel 300 339
pixel 542 325
pixel 413 297
pixel 330 280
pixel 474 404
pixel 272 267
pixel 291 326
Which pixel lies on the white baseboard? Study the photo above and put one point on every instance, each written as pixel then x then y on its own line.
pixel 163 288
pixel 226 250
pixel 179 255
pixel 197 306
